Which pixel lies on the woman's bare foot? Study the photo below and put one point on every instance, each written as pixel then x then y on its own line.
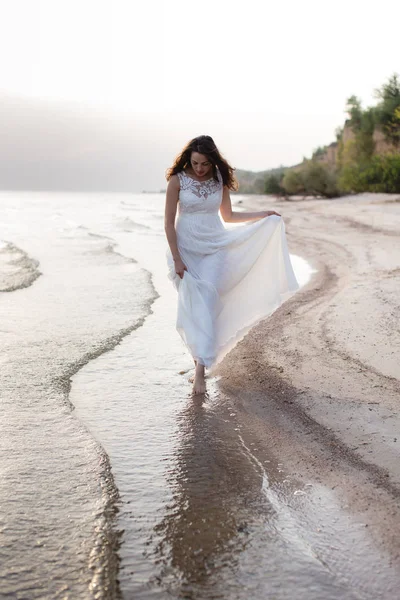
pixel 199 384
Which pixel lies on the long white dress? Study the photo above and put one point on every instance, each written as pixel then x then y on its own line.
pixel 235 276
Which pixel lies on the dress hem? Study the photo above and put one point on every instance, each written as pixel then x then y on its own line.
pixel 225 348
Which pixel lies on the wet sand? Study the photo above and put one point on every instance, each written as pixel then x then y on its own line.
pixel 318 382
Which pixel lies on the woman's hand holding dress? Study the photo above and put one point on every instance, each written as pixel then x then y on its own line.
pixel 180 267
pixel 268 213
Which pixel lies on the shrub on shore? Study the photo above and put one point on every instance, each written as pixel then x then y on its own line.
pixel 312 179
pixel 273 185
pixel 292 183
pixel 381 174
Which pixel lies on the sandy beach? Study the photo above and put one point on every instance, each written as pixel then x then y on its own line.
pixel 321 376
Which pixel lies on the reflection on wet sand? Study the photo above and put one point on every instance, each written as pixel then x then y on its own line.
pixel 239 527
pixel 205 529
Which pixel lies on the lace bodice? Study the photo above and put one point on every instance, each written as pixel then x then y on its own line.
pixel 199 196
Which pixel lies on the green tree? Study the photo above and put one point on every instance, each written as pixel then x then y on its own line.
pixel 319 180
pixel 354 111
pixel 364 136
pixel 362 122
pixel 338 133
pixel 292 182
pixel 381 174
pixel 273 185
pixel 320 151
pixel 312 179
pixel 388 115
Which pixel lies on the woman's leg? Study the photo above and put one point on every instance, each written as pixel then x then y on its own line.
pixel 207 275
pixel 209 271
pixel 199 384
pixel 191 378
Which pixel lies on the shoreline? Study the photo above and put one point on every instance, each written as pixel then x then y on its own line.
pixel 320 376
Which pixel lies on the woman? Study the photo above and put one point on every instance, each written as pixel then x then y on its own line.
pixel 227 279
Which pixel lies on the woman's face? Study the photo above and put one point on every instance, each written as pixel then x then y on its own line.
pixel 200 164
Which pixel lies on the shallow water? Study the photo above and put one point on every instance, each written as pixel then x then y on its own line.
pixel 109 468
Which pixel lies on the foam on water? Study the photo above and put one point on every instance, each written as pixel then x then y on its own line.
pixel 57 491
pixel 17 269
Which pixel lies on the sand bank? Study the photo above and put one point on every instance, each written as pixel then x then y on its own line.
pixel 321 376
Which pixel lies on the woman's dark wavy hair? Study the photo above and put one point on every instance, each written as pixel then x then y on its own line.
pixel 204 144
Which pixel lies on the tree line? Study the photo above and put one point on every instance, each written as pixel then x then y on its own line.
pixel 358 164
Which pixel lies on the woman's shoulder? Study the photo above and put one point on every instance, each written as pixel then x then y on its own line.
pixel 178 175
pixel 174 181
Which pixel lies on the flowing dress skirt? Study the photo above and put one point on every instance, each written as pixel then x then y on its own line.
pixel 235 277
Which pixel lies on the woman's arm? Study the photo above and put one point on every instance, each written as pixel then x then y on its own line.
pixel 231 216
pixel 171 204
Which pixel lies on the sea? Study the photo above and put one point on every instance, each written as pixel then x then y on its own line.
pixel 114 482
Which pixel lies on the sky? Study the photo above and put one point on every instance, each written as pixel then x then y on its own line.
pixel 118 87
